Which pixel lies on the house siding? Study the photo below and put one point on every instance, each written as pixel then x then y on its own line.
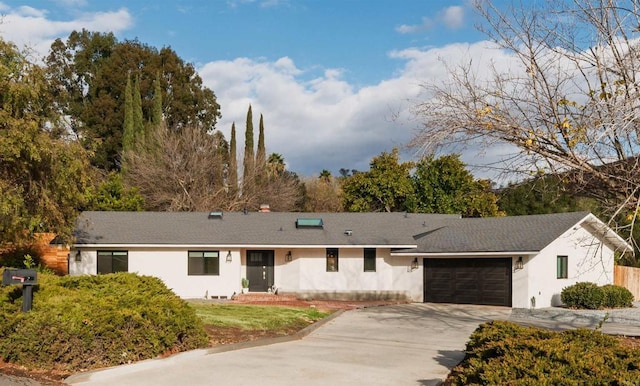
pixel 305 275
pixel 589 259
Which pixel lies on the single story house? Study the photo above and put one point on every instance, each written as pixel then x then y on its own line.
pixel 519 261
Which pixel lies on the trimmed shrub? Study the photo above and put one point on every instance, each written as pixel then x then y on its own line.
pixel 502 353
pixel 86 322
pixel 583 295
pixel 616 296
pixel 589 296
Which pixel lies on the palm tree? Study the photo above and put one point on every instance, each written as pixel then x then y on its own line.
pixel 275 164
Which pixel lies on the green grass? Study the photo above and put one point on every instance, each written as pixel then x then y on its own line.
pixel 252 317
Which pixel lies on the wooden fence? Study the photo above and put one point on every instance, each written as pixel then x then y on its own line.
pixel 52 256
pixel 628 277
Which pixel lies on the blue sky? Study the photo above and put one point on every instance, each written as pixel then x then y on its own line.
pixel 336 80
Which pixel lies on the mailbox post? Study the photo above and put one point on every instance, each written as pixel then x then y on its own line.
pixel 25 277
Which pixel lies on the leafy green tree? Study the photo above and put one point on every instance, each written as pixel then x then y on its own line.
pixel 386 187
pixel 444 185
pixel 113 195
pixel 540 195
pixel 43 176
pixel 88 73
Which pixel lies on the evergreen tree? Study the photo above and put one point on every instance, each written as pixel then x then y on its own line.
pixel 248 163
pixel 127 129
pixel 138 120
pixel 260 154
pixel 156 113
pixel 233 162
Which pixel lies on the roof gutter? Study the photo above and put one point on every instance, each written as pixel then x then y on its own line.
pixel 466 254
pixel 236 246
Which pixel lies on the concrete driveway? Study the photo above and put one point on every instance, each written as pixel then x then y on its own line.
pixel 413 344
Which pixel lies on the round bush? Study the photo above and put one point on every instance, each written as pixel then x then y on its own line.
pixel 616 296
pixel 583 295
pixel 86 322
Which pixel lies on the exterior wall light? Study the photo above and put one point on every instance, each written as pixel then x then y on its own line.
pixel 229 258
pixel 78 255
pixel 519 264
pixel 288 256
pixel 414 264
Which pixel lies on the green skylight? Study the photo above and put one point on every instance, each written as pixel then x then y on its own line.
pixel 309 223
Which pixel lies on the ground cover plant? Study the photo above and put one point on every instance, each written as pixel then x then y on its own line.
pixel 86 322
pixel 501 352
pixel 232 323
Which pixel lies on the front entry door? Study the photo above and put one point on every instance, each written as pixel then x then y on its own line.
pixel 260 270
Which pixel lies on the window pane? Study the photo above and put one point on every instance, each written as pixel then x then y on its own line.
pixel 113 261
pixel 562 269
pixel 369 260
pixel 332 260
pixel 203 263
pixel 104 264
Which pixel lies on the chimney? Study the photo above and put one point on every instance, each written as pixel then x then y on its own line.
pixel 264 208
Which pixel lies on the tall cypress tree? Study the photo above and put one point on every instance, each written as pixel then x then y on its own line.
pixel 261 155
pixel 156 114
pixel 248 163
pixel 233 162
pixel 138 120
pixel 128 135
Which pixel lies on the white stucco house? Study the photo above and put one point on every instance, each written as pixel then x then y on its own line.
pixel 520 261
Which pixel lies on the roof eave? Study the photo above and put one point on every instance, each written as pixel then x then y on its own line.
pixel 607 234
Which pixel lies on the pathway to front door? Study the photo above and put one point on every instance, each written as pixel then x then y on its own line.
pixel 260 270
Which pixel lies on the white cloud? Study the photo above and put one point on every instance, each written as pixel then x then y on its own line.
pixel 71 3
pixel 31 12
pixel 327 122
pixel 426 25
pixel 453 17
pixel 27 26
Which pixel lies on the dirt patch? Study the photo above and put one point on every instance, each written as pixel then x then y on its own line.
pixel 31 377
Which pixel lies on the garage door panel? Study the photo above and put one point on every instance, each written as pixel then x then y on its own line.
pixel 468 281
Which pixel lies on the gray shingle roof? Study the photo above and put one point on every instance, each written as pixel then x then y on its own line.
pixel 432 233
pixel 497 234
pixel 237 228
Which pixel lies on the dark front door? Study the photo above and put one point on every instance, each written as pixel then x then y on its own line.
pixel 468 281
pixel 260 270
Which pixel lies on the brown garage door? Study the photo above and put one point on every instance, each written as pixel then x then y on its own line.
pixel 468 281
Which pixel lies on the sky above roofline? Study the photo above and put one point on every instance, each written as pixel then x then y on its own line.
pixel 336 80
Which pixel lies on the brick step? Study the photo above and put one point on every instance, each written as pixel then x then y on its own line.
pixel 263 297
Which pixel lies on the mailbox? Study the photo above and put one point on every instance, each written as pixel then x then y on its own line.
pixel 19 277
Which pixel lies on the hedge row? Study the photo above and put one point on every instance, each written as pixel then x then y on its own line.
pixel 589 296
pixel 502 353
pixel 87 322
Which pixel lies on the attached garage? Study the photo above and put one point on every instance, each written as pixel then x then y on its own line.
pixel 468 281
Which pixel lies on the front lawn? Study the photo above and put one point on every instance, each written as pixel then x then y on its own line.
pixel 232 323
